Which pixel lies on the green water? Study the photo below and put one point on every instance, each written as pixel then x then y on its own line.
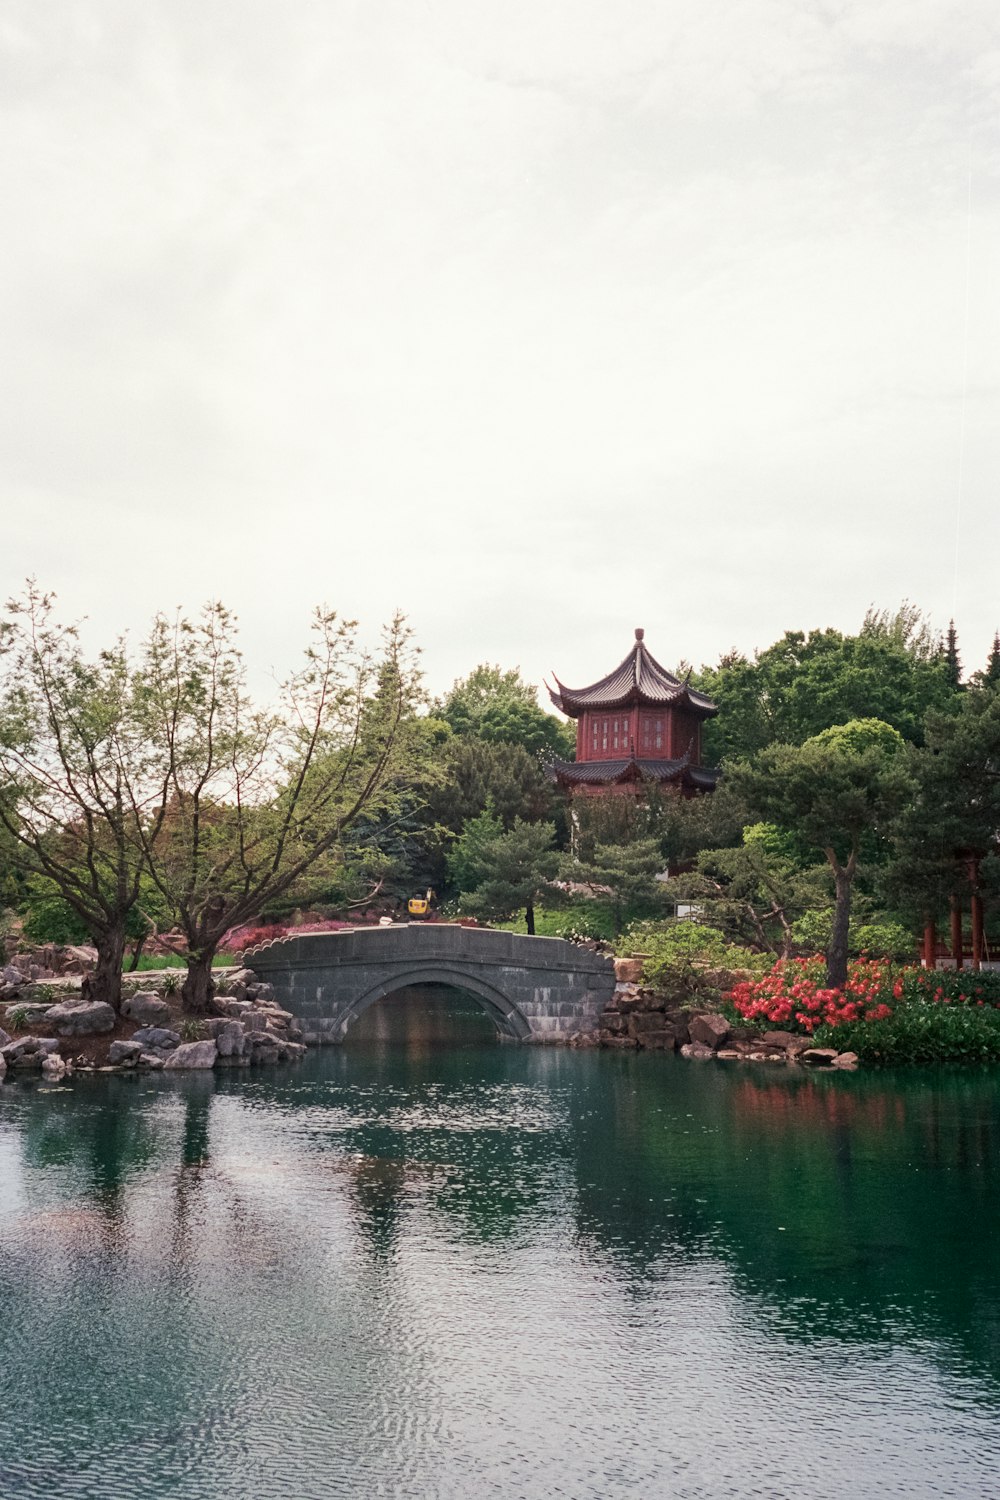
pixel 416 1268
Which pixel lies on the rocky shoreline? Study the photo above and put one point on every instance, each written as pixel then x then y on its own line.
pixel 246 1028
pixel 640 1018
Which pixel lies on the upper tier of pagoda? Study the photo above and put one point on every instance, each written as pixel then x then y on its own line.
pixel 639 680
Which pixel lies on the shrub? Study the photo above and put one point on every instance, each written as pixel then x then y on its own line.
pixel 886 1015
pixel 689 958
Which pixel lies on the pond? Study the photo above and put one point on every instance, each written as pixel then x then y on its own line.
pixel 429 1265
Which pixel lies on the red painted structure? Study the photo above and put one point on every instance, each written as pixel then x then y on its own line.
pixel 637 726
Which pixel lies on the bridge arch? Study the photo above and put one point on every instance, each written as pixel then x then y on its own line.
pixel 509 1020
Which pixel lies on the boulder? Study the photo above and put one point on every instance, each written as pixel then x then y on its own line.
pixel 628 970
pixel 125 1052
pixel 260 992
pixel 661 1039
pixel 26 1052
pixel 193 1055
pixel 710 1030
pixel 778 1039
pixel 4 1038
pixel 147 1008
pixel 697 1050
pixel 53 1066
pixel 29 1015
pixel 819 1057
pixel 156 1039
pixel 3 1067
pixel 229 1039
pixel 846 1060
pixel 150 1060
pixel 81 1017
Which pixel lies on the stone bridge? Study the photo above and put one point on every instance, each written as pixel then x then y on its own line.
pixel 534 988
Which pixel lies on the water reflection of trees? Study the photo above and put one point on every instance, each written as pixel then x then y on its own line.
pixel 859 1206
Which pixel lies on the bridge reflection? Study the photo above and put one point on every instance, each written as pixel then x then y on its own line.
pixel 424 1016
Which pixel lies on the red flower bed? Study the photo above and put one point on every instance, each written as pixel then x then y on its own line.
pixel 794 994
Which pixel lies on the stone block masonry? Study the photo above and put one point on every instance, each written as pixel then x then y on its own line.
pixel 536 989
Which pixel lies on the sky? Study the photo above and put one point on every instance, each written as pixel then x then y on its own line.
pixel 538 320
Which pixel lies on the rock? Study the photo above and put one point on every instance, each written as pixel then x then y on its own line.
pixel 697 1050
pixel 156 1039
pixel 614 1024
pixel 778 1039
pixel 26 1052
pixel 846 1060
pixel 81 1017
pixel 125 1052
pixel 4 1038
pixel 53 1066
pixel 149 1060
pixel 29 1015
pixel 619 1041
pixel 819 1057
pixel 229 1039
pixel 727 1054
pixel 661 1039
pixel 254 1020
pixel 3 1067
pixel 628 970
pixel 147 1008
pixel 238 1008
pixel 193 1055
pixel 295 1052
pixel 260 992
pixel 710 1030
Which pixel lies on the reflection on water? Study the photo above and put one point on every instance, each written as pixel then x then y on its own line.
pixel 424 1016
pixel 417 1270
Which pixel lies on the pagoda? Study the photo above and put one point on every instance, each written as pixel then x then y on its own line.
pixel 637 727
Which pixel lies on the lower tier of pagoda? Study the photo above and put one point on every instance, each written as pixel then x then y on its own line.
pixel 595 774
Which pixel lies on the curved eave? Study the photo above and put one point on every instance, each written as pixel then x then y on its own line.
pixel 570 773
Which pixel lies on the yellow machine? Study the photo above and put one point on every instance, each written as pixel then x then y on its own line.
pixel 420 906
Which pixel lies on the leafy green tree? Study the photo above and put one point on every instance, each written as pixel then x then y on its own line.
pixel 625 872
pixel 476 774
pixel 947 838
pixel 501 708
pixel 891 670
pixel 76 776
pixel 755 892
pixel 258 798
pixel 839 793
pixel 502 872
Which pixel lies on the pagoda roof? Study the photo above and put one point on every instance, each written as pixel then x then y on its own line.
pixel 639 678
pixel 612 772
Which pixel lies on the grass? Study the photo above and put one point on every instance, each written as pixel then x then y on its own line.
pixel 150 961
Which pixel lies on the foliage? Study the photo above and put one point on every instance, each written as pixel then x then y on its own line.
pixel 501 708
pixel 885 1015
pixel 624 873
pixel 884 938
pixel 505 871
pixel 893 670
pixel 75 776
pixel 476 774
pixel 678 955
pixel 259 800
pixel 838 792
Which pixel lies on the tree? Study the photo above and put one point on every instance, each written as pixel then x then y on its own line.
pixel 947 839
pixel 476 774
pixel 893 670
pixel 988 679
pixel 256 799
pixel 75 775
pixel 626 872
pixel 838 792
pixel 756 891
pixel 502 872
pixel 501 708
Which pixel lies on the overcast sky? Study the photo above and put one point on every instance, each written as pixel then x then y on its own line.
pixel 538 319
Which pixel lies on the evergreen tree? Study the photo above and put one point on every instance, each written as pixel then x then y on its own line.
pixel 953 662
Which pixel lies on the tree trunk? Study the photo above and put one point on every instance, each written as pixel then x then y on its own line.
pixel 529 918
pixel 836 954
pixel 137 954
pixel 198 988
pixel 105 983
